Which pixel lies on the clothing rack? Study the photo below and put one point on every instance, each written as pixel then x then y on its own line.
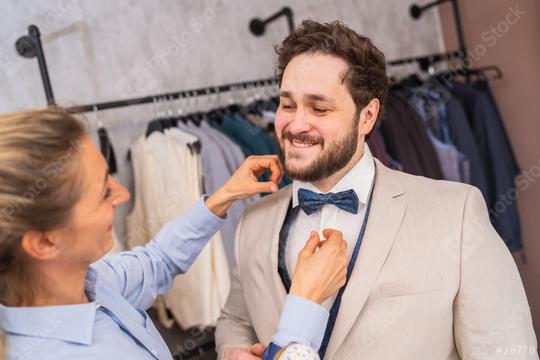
pixel 171 96
pixel 258 26
pixel 30 46
pixel 425 61
pixel 416 12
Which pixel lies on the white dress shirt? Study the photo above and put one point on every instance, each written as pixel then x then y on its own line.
pixel 360 179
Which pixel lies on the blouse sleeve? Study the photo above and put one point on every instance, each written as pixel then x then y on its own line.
pixel 145 272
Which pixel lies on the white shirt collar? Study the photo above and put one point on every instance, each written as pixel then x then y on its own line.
pixel 359 178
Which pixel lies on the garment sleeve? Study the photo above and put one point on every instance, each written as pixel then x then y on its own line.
pixel 302 321
pixel 145 272
pixel 492 319
pixel 233 328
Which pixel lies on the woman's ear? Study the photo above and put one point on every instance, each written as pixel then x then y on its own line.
pixel 40 245
pixel 368 116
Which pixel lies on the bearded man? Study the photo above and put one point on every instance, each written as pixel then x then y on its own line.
pixel 428 277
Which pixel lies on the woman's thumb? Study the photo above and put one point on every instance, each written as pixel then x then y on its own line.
pixel 312 243
pixel 268 186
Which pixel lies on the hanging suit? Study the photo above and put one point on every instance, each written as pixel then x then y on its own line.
pixel 168 182
pixel 498 157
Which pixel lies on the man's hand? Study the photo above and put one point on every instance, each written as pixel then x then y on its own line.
pixel 319 274
pixel 250 353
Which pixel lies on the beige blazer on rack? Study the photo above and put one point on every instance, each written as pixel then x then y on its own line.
pixel 433 280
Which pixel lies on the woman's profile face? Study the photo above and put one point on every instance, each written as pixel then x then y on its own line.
pixel 88 235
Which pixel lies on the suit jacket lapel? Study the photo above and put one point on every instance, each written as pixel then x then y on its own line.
pixel 279 211
pixel 385 218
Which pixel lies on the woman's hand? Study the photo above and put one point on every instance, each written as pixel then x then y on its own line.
pixel 320 274
pixel 244 183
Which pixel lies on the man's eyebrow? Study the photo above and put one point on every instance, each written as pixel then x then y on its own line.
pixel 285 94
pixel 318 97
pixel 310 97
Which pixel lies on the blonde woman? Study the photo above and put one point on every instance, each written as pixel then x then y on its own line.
pixel 59 298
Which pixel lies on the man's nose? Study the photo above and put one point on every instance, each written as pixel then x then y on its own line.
pixel 300 123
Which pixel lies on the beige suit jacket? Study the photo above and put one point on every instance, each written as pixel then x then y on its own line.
pixel 433 280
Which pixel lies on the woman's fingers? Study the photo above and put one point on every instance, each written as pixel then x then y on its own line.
pixel 259 164
pixel 313 243
pixel 244 183
pixel 263 187
pixel 256 166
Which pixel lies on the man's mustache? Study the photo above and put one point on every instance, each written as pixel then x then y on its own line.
pixel 306 138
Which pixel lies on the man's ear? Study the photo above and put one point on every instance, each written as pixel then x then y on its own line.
pixel 40 245
pixel 368 116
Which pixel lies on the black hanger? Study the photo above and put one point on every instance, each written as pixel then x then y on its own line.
pixel 470 74
pixel 188 118
pixel 170 122
pixel 107 149
pixel 153 126
pixel 251 108
pixel 234 108
pixel 182 118
pixel 411 81
pixel 482 73
pixel 197 118
pixel 275 101
pixel 215 116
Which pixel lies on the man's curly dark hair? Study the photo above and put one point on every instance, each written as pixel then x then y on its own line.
pixel 366 78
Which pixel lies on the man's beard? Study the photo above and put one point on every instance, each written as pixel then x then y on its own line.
pixel 332 158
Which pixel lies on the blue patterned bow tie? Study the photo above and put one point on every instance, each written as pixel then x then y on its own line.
pixel 311 202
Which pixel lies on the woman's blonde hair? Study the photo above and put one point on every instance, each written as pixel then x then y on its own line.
pixel 38 187
pixel 3 350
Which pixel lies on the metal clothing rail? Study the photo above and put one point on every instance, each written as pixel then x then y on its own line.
pixel 258 26
pixel 171 96
pixel 417 10
pixel 425 61
pixel 30 46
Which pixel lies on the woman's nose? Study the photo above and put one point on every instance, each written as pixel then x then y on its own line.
pixel 121 194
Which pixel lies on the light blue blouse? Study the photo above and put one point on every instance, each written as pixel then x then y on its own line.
pixel 114 324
